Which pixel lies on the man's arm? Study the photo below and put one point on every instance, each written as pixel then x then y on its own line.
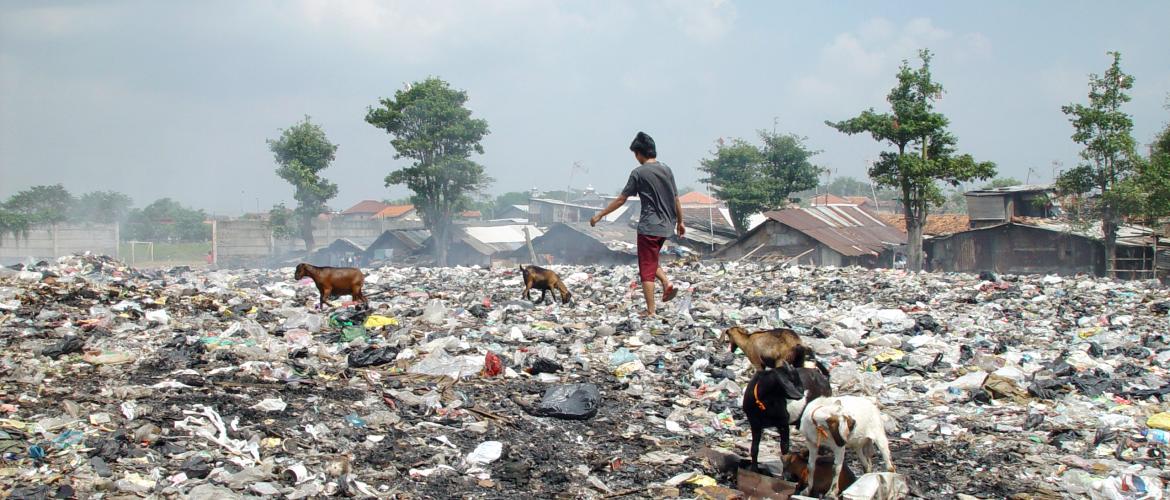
pixel 613 205
pixel 678 210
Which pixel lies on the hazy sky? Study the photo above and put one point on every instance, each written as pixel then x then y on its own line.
pixel 176 99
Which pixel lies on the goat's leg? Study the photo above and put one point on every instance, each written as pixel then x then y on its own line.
pixel 838 463
pixel 757 433
pixel 865 455
pixel 883 447
pixel 813 453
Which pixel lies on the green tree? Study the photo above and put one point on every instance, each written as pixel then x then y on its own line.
pixel 1000 182
pixel 42 204
pixel 13 223
pixel 787 166
pixel 753 179
pixel 282 221
pixel 430 124
pixel 103 207
pixel 1154 177
pixel 167 220
pixel 301 153
pixel 735 177
pixel 1109 153
pixel 925 150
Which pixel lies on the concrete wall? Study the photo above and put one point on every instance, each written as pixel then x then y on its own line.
pixel 63 239
pixel 241 241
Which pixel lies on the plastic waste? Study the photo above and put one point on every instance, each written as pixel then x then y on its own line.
pixel 569 401
pixel 371 356
pixel 486 453
pixel 435 313
pixel 878 486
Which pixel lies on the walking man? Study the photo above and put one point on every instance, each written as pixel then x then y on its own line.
pixel 661 216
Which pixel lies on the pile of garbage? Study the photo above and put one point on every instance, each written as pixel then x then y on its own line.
pixel 231 383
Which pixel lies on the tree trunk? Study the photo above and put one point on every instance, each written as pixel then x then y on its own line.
pixel 1109 228
pixel 913 239
pixel 737 221
pixel 442 238
pixel 307 234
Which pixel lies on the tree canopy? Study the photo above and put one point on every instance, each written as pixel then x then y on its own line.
pixel 166 220
pixel 430 124
pixel 1109 155
pixel 925 151
pixel 301 153
pixel 752 179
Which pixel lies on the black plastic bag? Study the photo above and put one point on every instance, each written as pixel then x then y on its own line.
pixel 569 401
pixel 372 356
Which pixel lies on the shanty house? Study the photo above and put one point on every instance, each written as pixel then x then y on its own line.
pixel 579 243
pixel 992 207
pixel 342 252
pixel 1034 246
pixel 834 235
pixel 481 245
pixel 397 244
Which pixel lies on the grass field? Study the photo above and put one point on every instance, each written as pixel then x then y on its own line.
pixel 166 254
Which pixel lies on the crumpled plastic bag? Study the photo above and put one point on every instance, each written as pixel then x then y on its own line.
pixel 569 401
pixel 878 486
pixel 371 356
pixel 68 345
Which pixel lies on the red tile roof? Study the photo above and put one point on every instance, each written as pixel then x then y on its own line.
pixel 936 224
pixel 367 207
pixel 394 211
pixel 696 198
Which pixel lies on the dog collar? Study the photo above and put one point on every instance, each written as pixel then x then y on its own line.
pixel 756 395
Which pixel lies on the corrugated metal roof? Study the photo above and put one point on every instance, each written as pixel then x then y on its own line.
pixel 489 240
pixel 847 229
pixel 1022 188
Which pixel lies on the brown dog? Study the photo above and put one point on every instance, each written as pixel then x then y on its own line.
pixel 333 281
pixel 544 280
pixel 796 470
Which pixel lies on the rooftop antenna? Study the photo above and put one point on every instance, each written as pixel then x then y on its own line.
pixel 576 166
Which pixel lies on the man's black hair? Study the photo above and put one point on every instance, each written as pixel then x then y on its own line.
pixel 644 145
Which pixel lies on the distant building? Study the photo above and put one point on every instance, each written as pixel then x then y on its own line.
pixel 1040 246
pixel 578 243
pixel 482 245
pixel 992 207
pixel 936 224
pixel 512 212
pixel 397 212
pixel 836 235
pixel 398 245
pixel 365 209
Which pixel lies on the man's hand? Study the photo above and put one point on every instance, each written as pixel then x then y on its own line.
pixel 593 220
pixel 682 231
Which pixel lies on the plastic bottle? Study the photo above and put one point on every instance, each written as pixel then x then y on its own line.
pixel 1157 436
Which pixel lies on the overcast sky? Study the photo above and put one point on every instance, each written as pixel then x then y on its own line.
pixel 176 99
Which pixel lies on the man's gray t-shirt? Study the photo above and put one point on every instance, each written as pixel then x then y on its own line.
pixel 653 184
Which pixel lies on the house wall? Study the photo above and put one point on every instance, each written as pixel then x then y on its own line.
pixel 776 238
pixel 50 242
pixel 246 241
pixel 1016 250
pixel 571 247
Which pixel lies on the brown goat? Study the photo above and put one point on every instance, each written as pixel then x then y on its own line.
pixel 796 469
pixel 332 281
pixel 770 348
pixel 544 280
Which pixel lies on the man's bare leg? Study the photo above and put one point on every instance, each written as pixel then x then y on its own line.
pixel 661 275
pixel 648 293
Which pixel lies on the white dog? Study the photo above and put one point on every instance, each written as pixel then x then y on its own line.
pixel 840 423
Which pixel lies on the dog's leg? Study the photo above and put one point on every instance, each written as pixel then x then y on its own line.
pixel 813 453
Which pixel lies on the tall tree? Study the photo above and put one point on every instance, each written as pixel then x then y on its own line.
pixel 430 124
pixel 42 204
pixel 753 179
pixel 925 150
pixel 301 153
pixel 736 178
pixel 1109 152
pixel 104 207
pixel 1155 177
pixel 787 166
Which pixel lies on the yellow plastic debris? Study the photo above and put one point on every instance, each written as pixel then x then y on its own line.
pixel 1159 421
pixel 376 321
pixel 702 480
pixel 890 355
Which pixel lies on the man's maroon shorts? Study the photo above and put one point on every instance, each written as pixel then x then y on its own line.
pixel 648 248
